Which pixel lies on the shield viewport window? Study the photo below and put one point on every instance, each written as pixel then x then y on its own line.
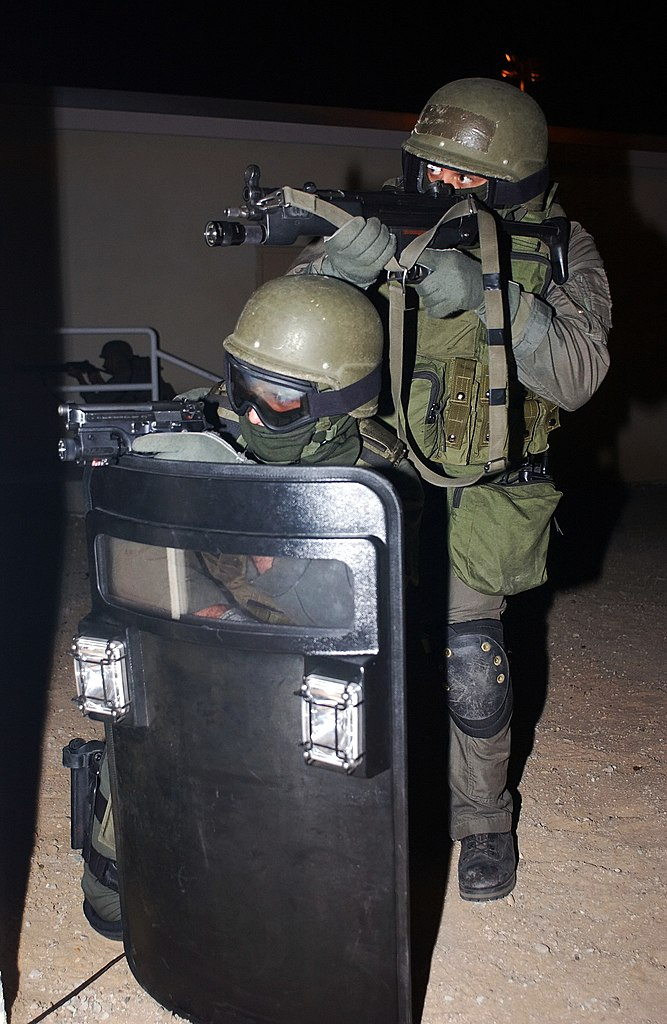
pixel 225 587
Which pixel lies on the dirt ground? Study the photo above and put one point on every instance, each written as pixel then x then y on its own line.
pixel 582 939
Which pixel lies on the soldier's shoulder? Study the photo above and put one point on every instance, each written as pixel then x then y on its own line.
pixel 380 445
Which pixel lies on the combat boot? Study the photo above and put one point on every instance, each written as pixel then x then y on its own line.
pixel 101 905
pixel 487 866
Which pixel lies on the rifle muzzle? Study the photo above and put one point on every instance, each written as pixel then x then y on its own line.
pixel 227 232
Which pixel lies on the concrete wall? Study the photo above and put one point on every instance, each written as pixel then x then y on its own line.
pixel 136 191
pixel 139 176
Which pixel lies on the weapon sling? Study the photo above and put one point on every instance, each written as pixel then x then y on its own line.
pixel 495 321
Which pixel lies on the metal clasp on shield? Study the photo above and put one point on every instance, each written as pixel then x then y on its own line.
pixel 100 671
pixel 332 722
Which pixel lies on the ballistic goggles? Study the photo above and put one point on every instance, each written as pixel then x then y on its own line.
pixel 283 403
pixel 500 193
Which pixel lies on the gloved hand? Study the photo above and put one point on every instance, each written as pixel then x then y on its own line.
pixel 454 284
pixel 359 250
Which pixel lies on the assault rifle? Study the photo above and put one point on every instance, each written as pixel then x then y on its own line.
pixel 100 434
pixel 267 216
pixel 73 367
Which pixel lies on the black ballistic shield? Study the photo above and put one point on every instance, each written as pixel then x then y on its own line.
pixel 257 767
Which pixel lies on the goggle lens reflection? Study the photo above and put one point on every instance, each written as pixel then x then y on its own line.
pixel 277 403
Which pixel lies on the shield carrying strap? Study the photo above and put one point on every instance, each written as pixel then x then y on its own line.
pixel 397 272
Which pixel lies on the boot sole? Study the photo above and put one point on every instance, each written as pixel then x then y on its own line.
pixel 486 895
pixel 107 929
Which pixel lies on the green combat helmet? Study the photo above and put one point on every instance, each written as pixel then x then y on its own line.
pixel 483 127
pixel 305 347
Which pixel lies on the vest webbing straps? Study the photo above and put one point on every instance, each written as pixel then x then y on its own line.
pixel 397 272
pixel 494 309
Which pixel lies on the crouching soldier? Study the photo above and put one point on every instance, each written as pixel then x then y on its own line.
pixel 301 383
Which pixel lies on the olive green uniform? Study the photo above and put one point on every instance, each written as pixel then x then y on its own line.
pixel 498 530
pixel 503 338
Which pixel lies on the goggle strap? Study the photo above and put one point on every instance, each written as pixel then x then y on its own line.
pixel 514 193
pixel 326 403
pixel 338 403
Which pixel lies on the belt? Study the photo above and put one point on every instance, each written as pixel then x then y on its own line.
pixel 531 468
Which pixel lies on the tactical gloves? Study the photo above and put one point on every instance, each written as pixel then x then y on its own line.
pixel 358 251
pixel 454 284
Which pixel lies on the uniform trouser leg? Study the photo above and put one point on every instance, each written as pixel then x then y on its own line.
pixel 479 799
pixel 99 881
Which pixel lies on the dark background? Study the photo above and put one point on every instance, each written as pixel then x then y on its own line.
pixel 599 67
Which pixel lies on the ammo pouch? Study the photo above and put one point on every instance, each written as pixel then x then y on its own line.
pixel 498 532
pixel 449 414
pixel 449 417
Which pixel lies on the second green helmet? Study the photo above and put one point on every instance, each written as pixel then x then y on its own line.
pixel 315 329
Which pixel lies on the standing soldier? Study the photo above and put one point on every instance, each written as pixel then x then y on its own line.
pixel 488 141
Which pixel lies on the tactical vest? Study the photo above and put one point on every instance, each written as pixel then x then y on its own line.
pixel 448 409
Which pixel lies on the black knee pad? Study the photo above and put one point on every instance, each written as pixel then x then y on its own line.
pixel 477 677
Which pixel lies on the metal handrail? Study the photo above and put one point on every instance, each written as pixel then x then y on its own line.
pixel 157 355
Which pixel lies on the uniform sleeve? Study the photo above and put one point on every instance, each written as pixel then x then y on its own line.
pixel 311 260
pixel 560 341
pixel 310 592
